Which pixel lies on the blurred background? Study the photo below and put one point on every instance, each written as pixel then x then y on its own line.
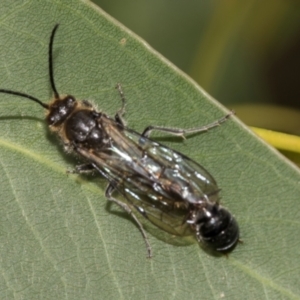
pixel 246 54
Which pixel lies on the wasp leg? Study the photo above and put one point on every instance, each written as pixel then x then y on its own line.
pixel 87 103
pixel 84 168
pixel 119 115
pixel 181 132
pixel 108 193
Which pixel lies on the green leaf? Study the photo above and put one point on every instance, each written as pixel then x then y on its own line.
pixel 58 237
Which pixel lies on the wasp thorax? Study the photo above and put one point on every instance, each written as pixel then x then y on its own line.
pixel 60 110
pixel 83 128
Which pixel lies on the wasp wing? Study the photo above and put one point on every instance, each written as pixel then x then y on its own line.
pixel 162 184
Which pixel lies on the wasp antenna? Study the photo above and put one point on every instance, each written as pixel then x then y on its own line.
pixel 25 96
pixel 51 74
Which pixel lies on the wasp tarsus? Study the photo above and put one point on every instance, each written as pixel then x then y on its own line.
pixel 169 189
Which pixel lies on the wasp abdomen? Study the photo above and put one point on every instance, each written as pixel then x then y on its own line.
pixel 218 229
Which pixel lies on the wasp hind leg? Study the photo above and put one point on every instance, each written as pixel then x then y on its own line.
pixel 181 132
pixel 108 193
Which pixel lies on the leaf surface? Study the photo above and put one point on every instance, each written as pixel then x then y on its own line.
pixel 60 239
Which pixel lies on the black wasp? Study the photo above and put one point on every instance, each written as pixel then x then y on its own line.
pixel 169 189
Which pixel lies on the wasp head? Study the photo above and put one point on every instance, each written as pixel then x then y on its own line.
pixel 60 110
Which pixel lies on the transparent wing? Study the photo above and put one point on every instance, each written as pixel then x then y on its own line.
pixel 160 183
